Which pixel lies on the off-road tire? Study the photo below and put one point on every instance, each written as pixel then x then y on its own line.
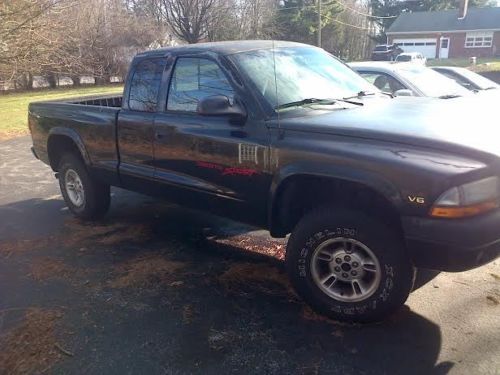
pixel 329 226
pixel 96 195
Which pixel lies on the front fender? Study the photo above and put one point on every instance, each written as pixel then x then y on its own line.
pixel 325 170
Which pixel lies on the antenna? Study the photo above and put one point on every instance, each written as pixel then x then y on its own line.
pixel 276 84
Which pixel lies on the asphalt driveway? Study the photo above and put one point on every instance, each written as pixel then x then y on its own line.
pixel 158 289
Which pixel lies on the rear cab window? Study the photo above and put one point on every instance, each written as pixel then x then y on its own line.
pixel 145 85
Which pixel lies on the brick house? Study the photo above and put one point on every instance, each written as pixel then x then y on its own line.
pixel 457 33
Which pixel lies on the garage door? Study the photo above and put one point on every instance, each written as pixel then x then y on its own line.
pixel 426 47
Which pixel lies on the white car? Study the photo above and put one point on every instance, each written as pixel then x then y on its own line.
pixel 407 79
pixel 412 57
pixel 467 78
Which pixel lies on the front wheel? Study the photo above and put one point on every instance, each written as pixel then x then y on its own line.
pixel 86 198
pixel 349 266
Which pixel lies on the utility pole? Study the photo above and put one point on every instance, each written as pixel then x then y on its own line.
pixel 319 23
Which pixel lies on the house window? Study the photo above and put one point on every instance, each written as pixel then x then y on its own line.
pixel 476 40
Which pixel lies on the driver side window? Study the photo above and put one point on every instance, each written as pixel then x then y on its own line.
pixel 383 82
pixel 193 80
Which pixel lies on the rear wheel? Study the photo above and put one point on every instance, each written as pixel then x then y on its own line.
pixel 349 266
pixel 87 198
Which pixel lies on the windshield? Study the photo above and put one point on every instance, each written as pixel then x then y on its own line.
pixel 403 58
pixel 431 83
pixel 301 73
pixel 480 81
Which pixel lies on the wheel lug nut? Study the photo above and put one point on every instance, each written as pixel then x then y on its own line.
pixel 347 258
pixel 338 260
pixel 345 275
pixel 354 273
pixel 337 269
pixel 355 264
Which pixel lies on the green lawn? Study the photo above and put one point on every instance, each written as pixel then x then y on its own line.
pixel 14 106
pixel 483 65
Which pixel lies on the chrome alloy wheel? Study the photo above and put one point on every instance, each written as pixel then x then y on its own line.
pixel 74 188
pixel 345 269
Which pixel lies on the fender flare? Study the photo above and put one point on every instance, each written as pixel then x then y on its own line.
pixel 366 178
pixel 74 136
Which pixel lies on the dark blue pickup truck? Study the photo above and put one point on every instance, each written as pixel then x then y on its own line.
pixel 286 137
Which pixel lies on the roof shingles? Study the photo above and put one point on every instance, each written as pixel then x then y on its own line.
pixel 447 20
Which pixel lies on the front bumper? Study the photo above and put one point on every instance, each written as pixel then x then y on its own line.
pixel 34 153
pixel 453 245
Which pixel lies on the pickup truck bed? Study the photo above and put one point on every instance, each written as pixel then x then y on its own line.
pixel 106 101
pixel 89 121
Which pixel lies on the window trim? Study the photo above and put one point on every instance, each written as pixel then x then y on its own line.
pixel 171 76
pixel 472 39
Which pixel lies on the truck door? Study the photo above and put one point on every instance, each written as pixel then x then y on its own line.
pixel 218 162
pixel 136 124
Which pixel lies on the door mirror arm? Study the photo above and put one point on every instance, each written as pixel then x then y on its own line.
pixel 220 105
pixel 403 92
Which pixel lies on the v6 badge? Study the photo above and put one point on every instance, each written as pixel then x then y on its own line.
pixel 414 199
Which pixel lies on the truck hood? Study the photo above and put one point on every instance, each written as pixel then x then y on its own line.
pixel 469 126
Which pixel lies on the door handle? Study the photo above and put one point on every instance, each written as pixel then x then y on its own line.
pixel 160 135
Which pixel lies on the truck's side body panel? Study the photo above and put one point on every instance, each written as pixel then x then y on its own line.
pixel 224 163
pixel 135 143
pixel 92 128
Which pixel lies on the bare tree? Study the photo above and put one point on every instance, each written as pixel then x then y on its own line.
pixel 190 19
pixel 243 19
pixel 31 32
pixel 69 38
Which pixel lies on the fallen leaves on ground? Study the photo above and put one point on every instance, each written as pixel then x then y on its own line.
pixel 50 268
pixel 495 276
pixel 31 347
pixel 493 297
pixel 218 340
pixel 255 276
pixel 271 247
pixel 10 247
pixel 79 234
pixel 10 134
pixel 187 314
pixel 494 300
pixel 310 314
pixel 145 270
pixel 104 234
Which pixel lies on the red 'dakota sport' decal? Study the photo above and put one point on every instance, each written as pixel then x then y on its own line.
pixel 227 171
pixel 204 164
pixel 239 171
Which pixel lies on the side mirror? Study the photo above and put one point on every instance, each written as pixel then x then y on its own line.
pixel 403 92
pixel 219 105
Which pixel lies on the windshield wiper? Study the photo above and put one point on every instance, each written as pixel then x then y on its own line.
pixel 299 103
pixel 316 101
pixel 450 96
pixel 360 95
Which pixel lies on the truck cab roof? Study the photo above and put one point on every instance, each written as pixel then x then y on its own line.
pixel 224 48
